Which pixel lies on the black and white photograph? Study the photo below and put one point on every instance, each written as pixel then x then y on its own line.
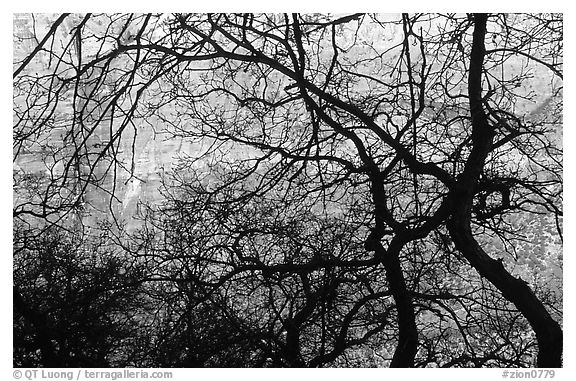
pixel 287 190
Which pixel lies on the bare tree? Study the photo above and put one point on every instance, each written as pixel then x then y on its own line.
pixel 356 184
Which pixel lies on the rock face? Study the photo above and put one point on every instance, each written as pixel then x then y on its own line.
pixel 153 157
pixel 70 158
pixel 71 161
pixel 113 188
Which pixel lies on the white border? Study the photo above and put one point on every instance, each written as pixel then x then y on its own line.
pixel 383 6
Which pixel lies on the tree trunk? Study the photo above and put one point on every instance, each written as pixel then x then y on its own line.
pixel 407 332
pixel 517 291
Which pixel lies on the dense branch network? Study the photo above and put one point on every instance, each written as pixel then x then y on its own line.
pixel 356 190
